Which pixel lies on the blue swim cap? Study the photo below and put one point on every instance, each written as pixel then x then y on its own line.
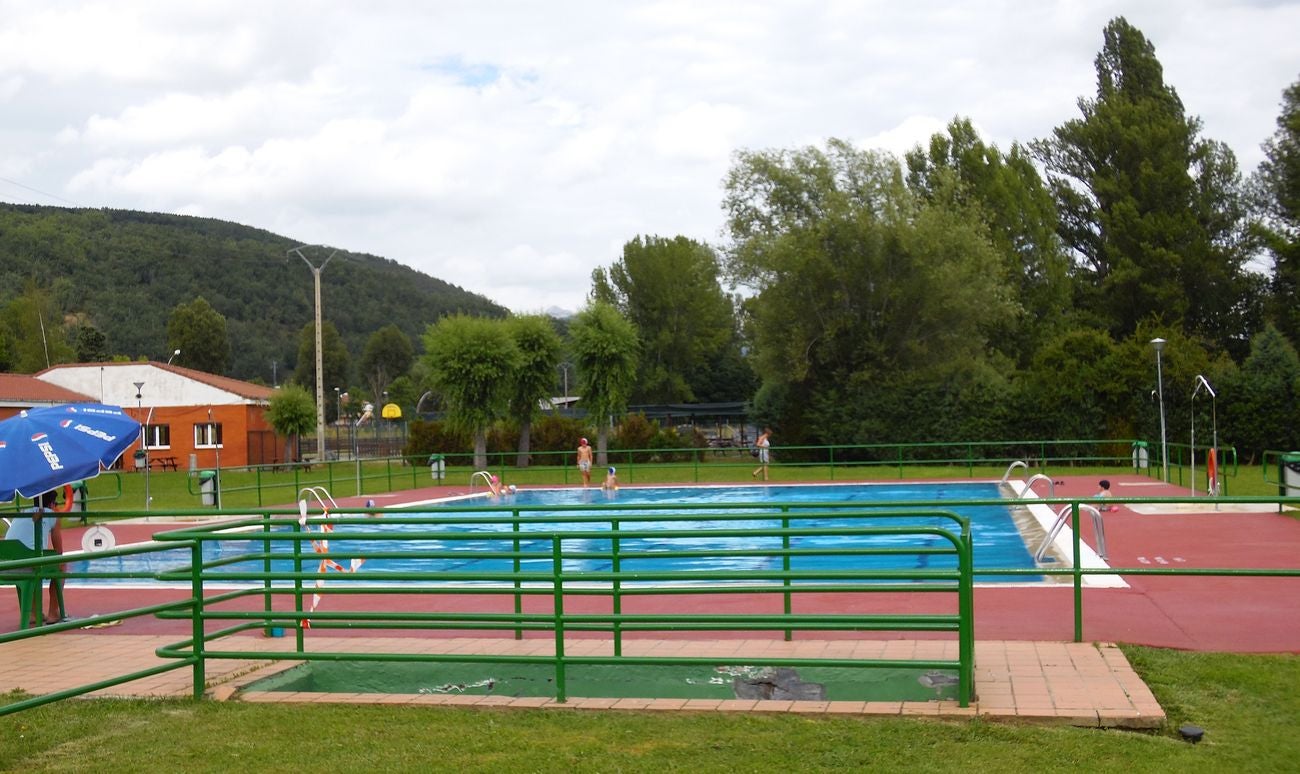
pixel 611 470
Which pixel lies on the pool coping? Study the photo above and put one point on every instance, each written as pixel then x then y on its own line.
pixel 1052 683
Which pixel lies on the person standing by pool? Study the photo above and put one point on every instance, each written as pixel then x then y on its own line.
pixel 762 446
pixel 44 521
pixel 584 461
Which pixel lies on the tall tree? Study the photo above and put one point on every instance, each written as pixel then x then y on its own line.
pixel 857 282
pixel 470 362
pixel 388 355
pixel 539 348
pixel 1005 192
pixel 1151 212
pixel 1265 414
pixel 336 363
pixel 668 289
pixel 92 346
pixel 1277 194
pixel 199 332
pixel 604 345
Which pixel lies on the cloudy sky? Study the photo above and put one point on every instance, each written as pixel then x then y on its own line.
pixel 512 147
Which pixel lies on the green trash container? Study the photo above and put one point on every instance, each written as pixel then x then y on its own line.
pixel 208 491
pixel 1289 474
pixel 1141 455
pixel 437 467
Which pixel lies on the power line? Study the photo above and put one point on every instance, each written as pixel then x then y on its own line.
pixel 38 191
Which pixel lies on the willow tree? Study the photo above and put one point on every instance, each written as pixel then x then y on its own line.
pixel 862 292
pixel 604 345
pixel 292 412
pixel 470 362
pixel 534 379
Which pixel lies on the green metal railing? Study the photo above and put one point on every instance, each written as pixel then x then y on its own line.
pixel 556 581
pixel 50 567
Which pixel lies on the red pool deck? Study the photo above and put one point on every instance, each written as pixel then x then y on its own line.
pixel 1245 615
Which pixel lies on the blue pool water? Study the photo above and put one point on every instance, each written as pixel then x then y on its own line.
pixel 997 542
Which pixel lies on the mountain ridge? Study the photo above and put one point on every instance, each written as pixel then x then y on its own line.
pixel 124 271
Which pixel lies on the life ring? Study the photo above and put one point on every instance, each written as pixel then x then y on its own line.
pixel 1212 471
pixel 67 500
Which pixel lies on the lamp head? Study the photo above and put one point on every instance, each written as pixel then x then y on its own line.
pixel 1159 344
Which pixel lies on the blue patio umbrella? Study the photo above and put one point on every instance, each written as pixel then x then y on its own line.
pixel 45 448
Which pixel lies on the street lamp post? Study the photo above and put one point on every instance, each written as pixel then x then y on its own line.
pixel 148 500
pixel 320 376
pixel 1159 344
pixel 144 438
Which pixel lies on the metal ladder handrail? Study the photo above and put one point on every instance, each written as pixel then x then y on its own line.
pixel 1029 485
pixel 1062 516
pixel 1017 464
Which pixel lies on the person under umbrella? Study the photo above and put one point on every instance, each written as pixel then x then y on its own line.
pixel 24 529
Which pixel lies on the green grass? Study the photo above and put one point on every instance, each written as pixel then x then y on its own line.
pixel 1247 704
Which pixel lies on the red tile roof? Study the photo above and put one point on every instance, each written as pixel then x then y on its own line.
pixel 27 390
pixel 236 386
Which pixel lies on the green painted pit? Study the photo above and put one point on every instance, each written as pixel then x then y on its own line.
pixel 724 681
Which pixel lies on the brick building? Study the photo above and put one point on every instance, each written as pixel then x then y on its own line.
pixel 191 418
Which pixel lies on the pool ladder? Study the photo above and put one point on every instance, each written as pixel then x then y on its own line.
pixel 1034 479
pixel 1063 516
pixel 322 496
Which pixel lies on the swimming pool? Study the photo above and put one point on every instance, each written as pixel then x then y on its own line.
pixel 996 539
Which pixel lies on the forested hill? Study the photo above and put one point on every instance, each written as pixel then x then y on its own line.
pixel 124 272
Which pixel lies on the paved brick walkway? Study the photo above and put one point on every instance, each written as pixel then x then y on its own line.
pixel 1079 684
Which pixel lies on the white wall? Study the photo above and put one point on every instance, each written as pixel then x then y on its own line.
pixel 114 384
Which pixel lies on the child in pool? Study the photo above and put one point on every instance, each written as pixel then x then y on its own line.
pixel 611 479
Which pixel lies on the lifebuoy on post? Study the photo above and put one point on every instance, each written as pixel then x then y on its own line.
pixel 67 500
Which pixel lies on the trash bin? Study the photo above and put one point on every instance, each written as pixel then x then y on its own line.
pixel 1141 455
pixel 141 459
pixel 208 488
pixel 1289 474
pixel 437 467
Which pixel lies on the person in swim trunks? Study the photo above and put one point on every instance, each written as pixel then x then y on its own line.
pixel 584 461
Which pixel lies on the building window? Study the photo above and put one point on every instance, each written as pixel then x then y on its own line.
pixel 207 435
pixel 158 436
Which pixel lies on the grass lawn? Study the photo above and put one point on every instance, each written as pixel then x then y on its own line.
pixel 1247 704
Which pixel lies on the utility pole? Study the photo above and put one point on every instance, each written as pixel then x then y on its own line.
pixel 320 376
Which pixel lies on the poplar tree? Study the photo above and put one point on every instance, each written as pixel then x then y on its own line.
pixel 1153 214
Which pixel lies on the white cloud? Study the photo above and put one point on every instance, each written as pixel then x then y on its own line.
pixel 512 147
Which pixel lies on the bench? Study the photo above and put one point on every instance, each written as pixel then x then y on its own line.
pixel 166 463
pixel 24 580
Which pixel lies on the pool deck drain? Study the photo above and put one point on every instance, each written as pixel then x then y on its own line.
pixel 1077 684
